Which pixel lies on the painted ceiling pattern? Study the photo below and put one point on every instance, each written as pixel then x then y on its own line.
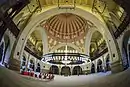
pixel 67 27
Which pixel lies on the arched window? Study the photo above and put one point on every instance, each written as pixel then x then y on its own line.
pixel 24 61
pixel 31 65
pixel 54 69
pixel 92 68
pixel 7 50
pixel 65 71
pixel 38 68
pixel 99 66
pixel 1 51
pixel 77 70
pixel 126 50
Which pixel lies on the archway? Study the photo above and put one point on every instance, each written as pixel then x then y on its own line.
pixel 126 50
pixel 92 68
pixel 1 51
pixel 65 71
pixel 23 63
pixel 38 69
pixel 97 45
pixel 95 19
pixel 54 69
pixel 5 47
pixel 108 68
pixel 99 65
pixel 31 66
pixel 77 70
pixel 35 43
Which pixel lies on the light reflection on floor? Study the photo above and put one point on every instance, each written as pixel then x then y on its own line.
pixel 76 80
pixel 9 78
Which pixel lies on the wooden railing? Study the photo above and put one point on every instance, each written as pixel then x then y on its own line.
pixel 32 53
pixel 98 54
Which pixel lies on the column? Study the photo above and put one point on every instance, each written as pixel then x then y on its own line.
pixel 104 63
pixel 71 69
pixel 60 69
pixel 88 40
pixel 44 40
pixel 14 64
pixel 27 62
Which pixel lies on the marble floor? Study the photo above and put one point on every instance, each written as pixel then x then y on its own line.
pixel 9 78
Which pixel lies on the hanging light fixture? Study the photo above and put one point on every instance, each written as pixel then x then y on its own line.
pixel 66 61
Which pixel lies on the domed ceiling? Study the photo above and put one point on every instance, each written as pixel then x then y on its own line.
pixel 67 27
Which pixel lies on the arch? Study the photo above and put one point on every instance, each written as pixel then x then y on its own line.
pixel 77 70
pixel 54 69
pixel 97 43
pixel 126 50
pixel 38 37
pixel 99 65
pixel 88 15
pixel 6 51
pixel 31 65
pixel 92 68
pixel 115 20
pixel 1 51
pixel 108 67
pixel 65 70
pixel 24 54
pixel 38 69
pixel 17 18
pixel 23 63
pixel 88 39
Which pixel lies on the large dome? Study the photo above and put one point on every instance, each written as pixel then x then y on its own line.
pixel 67 27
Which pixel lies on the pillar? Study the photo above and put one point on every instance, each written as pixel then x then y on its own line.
pixel 60 69
pixel 71 69
pixel 116 66
pixel 44 40
pixel 14 64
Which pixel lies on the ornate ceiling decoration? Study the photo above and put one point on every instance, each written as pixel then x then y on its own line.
pixel 67 27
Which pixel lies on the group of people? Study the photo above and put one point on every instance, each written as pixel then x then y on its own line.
pixel 44 76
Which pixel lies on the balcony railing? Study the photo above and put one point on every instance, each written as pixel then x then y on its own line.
pixel 122 26
pixel 33 48
pixel 32 53
pixel 97 53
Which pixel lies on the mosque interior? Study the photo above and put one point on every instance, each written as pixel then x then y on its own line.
pixel 64 43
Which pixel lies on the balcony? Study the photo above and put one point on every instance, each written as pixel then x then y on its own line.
pixel 102 49
pixel 122 27
pixel 32 49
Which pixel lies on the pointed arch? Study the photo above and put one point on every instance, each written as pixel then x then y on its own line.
pixel 65 70
pixel 77 70
pixel 99 65
pixel 92 68
pixel 54 69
